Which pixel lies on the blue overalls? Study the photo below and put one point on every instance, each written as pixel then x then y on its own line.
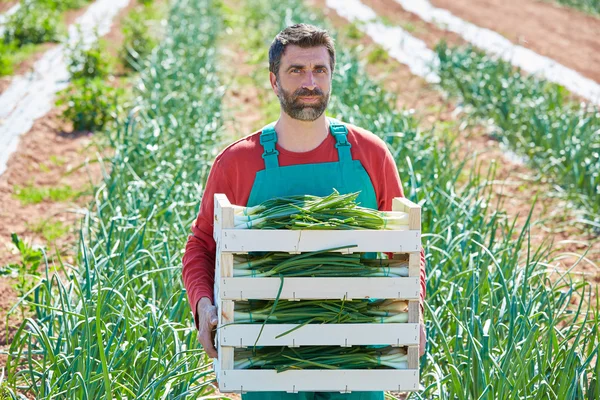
pixel 346 176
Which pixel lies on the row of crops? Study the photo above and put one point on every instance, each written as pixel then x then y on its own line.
pixel 119 325
pixel 588 6
pixel 558 136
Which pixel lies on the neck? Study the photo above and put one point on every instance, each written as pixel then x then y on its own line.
pixel 301 136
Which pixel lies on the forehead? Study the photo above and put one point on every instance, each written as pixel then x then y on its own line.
pixel 312 55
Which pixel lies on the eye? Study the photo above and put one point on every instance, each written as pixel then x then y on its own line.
pixel 322 70
pixel 295 70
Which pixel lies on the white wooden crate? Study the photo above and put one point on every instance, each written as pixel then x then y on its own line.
pixel 405 243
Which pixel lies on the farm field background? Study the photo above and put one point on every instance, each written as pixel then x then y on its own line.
pixel 505 164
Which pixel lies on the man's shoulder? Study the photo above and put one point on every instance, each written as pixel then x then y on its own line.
pixel 244 147
pixel 365 139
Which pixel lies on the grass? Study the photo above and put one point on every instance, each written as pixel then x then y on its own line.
pixel 49 230
pixel 32 194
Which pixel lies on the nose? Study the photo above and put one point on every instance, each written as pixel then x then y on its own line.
pixel 309 81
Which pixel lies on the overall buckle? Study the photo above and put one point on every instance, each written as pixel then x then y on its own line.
pixel 267 137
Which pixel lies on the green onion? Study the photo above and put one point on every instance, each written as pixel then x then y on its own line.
pixel 316 264
pixel 336 211
pixel 321 357
pixel 318 311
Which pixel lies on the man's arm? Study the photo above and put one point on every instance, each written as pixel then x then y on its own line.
pixel 199 257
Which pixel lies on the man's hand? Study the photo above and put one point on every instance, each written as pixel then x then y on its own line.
pixel 207 320
pixel 423 338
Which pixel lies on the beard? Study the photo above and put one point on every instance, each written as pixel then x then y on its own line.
pixel 297 109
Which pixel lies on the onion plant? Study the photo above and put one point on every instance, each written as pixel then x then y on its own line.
pixel 533 117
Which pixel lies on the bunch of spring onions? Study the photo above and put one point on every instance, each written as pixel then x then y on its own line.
pixel 322 263
pixel 321 357
pixel 318 311
pixel 336 211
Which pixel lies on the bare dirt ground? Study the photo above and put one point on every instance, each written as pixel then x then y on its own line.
pixel 568 36
pixel 5 5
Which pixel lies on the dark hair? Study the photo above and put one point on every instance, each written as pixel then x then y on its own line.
pixel 302 35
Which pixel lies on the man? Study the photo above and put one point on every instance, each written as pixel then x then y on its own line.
pixel 302 153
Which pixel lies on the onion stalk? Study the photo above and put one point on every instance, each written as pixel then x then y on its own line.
pixel 318 311
pixel 336 211
pixel 316 264
pixel 321 357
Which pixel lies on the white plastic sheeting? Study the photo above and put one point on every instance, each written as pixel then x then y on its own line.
pixel 4 16
pixel 494 43
pixel 32 95
pixel 396 41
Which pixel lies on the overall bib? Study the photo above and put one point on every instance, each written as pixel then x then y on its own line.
pixel 346 176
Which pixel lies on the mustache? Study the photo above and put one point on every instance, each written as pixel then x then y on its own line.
pixel 304 92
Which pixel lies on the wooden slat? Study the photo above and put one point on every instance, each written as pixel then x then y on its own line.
pixel 413 210
pixel 392 334
pixel 245 240
pixel 413 357
pixel 414 264
pixel 242 381
pixel 320 288
pixel 413 311
pixel 225 354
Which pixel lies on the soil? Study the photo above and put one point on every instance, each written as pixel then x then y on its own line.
pixel 566 35
pixel 5 5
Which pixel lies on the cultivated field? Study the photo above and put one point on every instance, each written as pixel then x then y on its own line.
pixel 107 146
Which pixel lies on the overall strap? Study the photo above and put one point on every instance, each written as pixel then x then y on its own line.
pixel 268 138
pixel 340 132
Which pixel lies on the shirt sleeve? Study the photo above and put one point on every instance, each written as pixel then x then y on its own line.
pixel 390 186
pixel 200 251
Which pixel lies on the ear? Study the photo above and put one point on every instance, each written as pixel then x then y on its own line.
pixel 273 80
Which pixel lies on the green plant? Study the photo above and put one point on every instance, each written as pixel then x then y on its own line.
pixel 7 57
pixel 63 5
pixel 138 41
pixel 88 61
pixel 377 55
pixel 33 23
pixel 26 271
pixel 91 103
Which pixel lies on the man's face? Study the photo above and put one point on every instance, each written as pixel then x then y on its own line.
pixel 304 82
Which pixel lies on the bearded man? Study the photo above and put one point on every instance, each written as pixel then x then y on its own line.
pixel 303 152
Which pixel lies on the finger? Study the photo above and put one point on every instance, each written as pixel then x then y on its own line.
pixel 208 346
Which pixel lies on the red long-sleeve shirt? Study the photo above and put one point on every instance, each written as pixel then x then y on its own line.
pixel 233 173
